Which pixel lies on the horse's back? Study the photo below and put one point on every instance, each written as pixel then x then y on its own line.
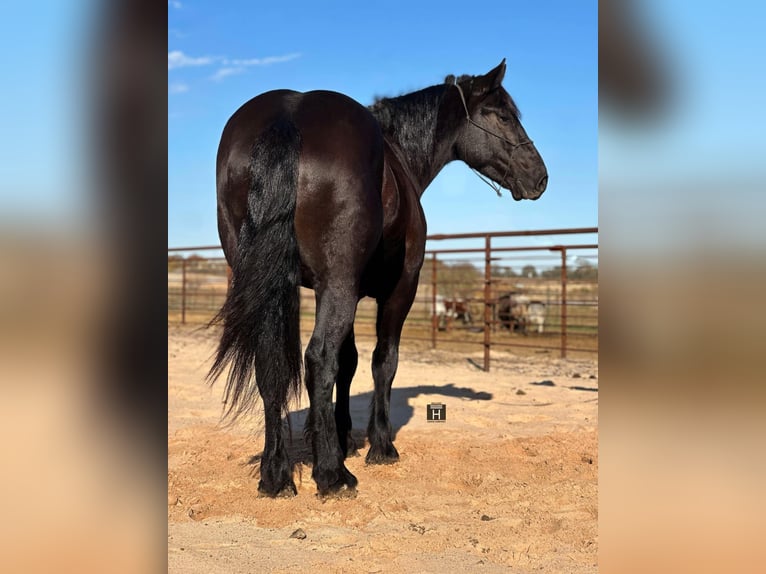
pixel 323 118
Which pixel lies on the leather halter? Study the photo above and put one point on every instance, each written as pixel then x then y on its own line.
pixel 497 187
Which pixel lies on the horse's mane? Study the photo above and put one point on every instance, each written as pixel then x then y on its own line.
pixel 412 116
pixel 392 100
pixel 411 119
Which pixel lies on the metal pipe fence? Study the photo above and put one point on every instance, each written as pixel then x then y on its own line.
pixel 462 299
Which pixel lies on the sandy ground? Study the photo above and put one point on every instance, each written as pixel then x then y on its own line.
pixel 507 483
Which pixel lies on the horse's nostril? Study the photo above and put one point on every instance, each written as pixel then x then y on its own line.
pixel 541 185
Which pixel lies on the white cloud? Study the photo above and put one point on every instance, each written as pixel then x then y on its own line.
pixel 233 67
pixel 225 72
pixel 177 59
pixel 175 4
pixel 177 88
pixel 263 61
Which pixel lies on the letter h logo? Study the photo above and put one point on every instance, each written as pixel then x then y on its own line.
pixel 436 413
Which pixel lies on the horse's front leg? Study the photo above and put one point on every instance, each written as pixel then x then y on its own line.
pixel 385 360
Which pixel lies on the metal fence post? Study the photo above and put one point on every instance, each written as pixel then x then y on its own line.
pixel 183 291
pixel 563 303
pixel 487 297
pixel 434 318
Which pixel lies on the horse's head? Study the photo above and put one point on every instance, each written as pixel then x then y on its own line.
pixel 492 140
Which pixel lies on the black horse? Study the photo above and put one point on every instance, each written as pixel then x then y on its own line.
pixel 317 190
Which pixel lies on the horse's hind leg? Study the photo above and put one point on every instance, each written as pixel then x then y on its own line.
pixel 276 471
pixel 335 318
pixel 348 360
pixel 385 360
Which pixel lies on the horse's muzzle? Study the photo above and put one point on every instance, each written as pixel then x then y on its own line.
pixel 519 191
pixel 538 190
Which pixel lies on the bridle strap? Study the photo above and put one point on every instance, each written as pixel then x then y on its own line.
pixel 495 186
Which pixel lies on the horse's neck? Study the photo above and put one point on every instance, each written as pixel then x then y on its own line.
pixel 401 167
pixel 421 166
pixel 424 152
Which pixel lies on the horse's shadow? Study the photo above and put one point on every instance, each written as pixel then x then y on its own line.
pixel 401 413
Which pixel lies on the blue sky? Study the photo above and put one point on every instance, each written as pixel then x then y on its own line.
pixel 220 54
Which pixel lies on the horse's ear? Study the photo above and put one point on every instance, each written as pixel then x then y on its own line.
pixel 492 80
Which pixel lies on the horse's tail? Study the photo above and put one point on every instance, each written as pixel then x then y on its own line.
pixel 261 331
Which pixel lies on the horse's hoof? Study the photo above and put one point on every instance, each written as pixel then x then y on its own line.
pixel 382 456
pixel 342 487
pixel 286 491
pixel 345 491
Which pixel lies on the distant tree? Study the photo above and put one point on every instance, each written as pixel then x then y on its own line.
pixel 454 280
pixel 529 271
pixel 585 272
pixel 460 280
pixel 502 271
pixel 552 273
